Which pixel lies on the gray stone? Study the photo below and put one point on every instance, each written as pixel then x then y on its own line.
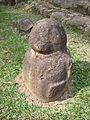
pixel 78 21
pixel 47 65
pixel 72 18
pixel 64 16
pixel 88 10
pixel 82 6
pixel 23 26
pixel 77 5
pixel 58 16
pixel 87 30
pixel 45 9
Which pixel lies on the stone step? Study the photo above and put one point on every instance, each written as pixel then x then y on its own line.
pixel 63 16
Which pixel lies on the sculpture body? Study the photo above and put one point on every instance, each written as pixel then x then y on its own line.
pixel 46 66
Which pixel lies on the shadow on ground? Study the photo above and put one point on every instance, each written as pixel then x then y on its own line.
pixel 80 75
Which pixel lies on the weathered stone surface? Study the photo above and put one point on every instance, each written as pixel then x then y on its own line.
pixel 64 16
pixel 60 17
pixel 82 6
pixel 47 37
pixel 47 65
pixel 76 19
pixel 23 26
pixel 87 30
pixel 43 8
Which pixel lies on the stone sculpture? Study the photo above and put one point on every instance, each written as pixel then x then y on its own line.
pixel 46 66
pixel 23 26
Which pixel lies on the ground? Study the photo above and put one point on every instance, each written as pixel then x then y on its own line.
pixel 13 105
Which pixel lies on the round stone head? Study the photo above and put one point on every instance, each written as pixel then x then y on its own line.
pixel 47 36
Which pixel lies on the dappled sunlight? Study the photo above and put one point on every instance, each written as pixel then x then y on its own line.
pixel 12 51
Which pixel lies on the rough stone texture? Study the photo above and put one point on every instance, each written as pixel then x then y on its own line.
pixel 43 8
pixel 23 26
pixel 77 19
pixel 46 66
pixel 47 37
pixel 87 30
pixel 82 6
pixel 65 16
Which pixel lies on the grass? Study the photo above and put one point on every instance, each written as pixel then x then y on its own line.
pixel 13 105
